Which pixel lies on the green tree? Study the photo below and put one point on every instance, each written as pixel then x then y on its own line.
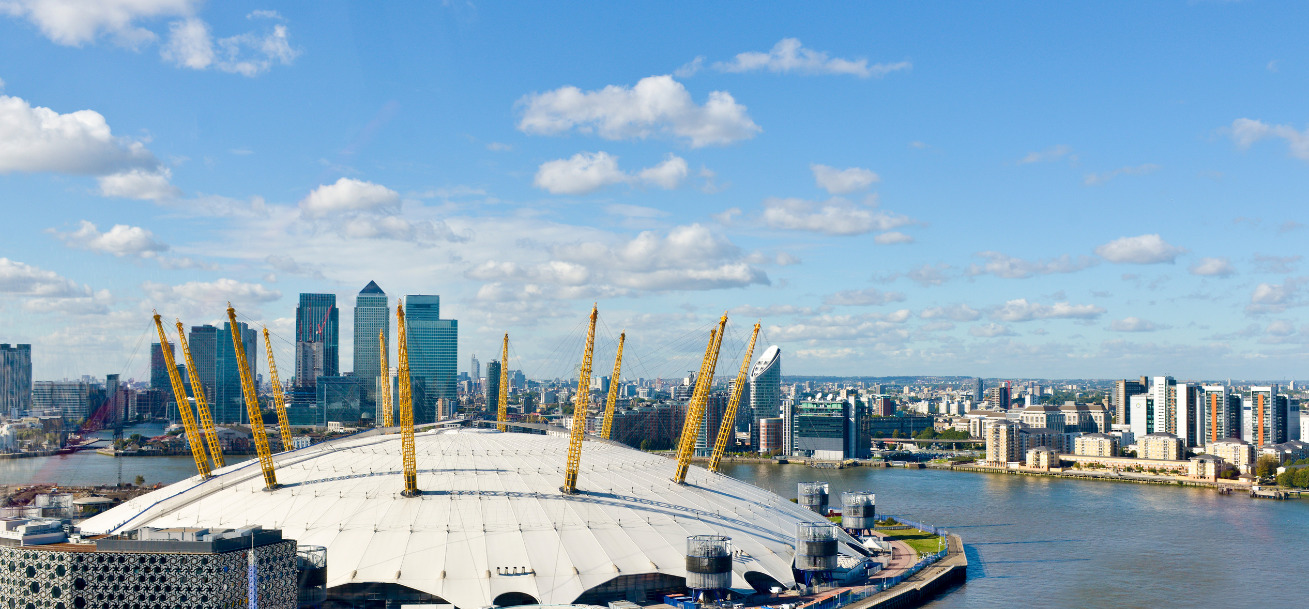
pixel 1266 466
pixel 140 480
pixel 646 444
pixel 926 434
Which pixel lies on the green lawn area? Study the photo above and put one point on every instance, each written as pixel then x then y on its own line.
pixel 921 541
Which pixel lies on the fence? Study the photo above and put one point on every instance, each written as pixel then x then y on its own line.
pixel 858 593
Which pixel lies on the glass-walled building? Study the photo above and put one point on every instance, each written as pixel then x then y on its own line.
pixel 433 345
pixel 372 316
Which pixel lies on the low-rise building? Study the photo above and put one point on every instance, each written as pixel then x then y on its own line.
pixel 1207 467
pixel 1160 447
pixel 1045 416
pixel 1236 452
pixel 1086 418
pixel 1096 445
pixel 1042 457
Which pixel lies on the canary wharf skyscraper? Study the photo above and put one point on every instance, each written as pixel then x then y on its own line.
pixel 316 336
pixel 372 315
pixel 433 345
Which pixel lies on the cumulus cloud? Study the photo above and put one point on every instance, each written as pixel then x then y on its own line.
pixel 1213 267
pixel 1143 249
pixel 19 278
pixel 210 294
pixel 690 257
pixel 190 45
pixel 121 240
pixel 1020 310
pixel 1009 267
pixel 990 330
pixel 1096 179
pixel 1245 132
pixel 879 329
pixel 36 139
pixel 349 194
pixel 1277 297
pixel 144 184
pixel 788 56
pixel 893 238
pixel 835 216
pixel 843 181
pixel 77 23
pixel 959 312
pixel 865 297
pixel 586 172
pixel 656 105
pixel 1134 324
pixel 1050 154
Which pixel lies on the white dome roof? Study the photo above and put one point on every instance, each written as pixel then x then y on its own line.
pixel 491 518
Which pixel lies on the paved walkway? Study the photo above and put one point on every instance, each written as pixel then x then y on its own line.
pixel 902 557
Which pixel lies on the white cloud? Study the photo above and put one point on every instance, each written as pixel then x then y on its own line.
pixel 1134 324
pixel 24 279
pixel 1280 327
pixel 349 194
pixel 145 184
pixel 1096 179
pixel 190 45
pixel 690 257
pixel 837 354
pixel 1020 310
pixel 656 105
pixel 865 297
pixel 1213 267
pixel 1050 154
pixel 1245 132
pixel 788 55
pixel 210 294
pixel 72 23
pixel 264 14
pixel 990 330
pixel 959 312
pixel 893 238
pixel 121 240
pixel 842 181
pixel 836 216
pixel 1009 267
pixel 1143 249
pixel 586 172
pixel 499 147
pixel 37 139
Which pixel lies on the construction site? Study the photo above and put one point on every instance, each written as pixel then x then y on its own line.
pixel 512 513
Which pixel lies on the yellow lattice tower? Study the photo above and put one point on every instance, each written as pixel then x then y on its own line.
pixel 279 403
pixel 183 407
pixel 503 414
pixel 406 410
pixel 388 417
pixel 728 426
pixel 695 409
pixel 201 404
pixel 608 425
pixel 580 403
pixel 252 404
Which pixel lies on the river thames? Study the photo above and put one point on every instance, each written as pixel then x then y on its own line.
pixel 1030 541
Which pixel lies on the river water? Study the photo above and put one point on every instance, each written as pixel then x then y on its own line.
pixel 1044 542
pixel 1030 541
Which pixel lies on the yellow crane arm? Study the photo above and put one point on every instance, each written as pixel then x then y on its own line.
pixel 580 403
pixel 201 404
pixel 283 424
pixel 387 407
pixel 183 407
pixel 695 409
pixel 503 415
pixel 608 424
pixel 728 426
pixel 406 410
pixel 252 403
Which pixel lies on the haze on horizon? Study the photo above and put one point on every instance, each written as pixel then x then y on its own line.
pixel 1060 191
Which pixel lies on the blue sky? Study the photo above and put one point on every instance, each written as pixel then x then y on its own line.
pixel 1029 190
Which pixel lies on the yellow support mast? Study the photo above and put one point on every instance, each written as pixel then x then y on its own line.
pixel 252 404
pixel 503 415
pixel 388 417
pixel 695 410
pixel 728 426
pixel 580 404
pixel 608 424
pixel 283 424
pixel 201 404
pixel 183 407
pixel 406 411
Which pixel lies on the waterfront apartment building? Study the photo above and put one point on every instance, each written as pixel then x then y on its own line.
pixel 1207 467
pixel 1267 413
pixel 770 435
pixel 1141 414
pixel 1096 445
pixel 765 390
pixel 372 316
pixel 433 345
pixel 15 379
pixel 1220 414
pixel 1002 441
pixel 1235 451
pixel 1042 457
pixel 1185 416
pixel 1123 392
pixel 1160 446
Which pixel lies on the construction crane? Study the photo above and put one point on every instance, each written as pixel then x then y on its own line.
pixel 183 407
pixel 252 403
pixel 388 417
pixel 728 426
pixel 608 424
pixel 406 411
pixel 579 411
pixel 503 415
pixel 283 425
pixel 201 404
pixel 695 410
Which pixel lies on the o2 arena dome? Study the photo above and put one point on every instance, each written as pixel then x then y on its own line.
pixel 491 526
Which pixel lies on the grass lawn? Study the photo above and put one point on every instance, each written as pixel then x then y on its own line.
pixel 921 541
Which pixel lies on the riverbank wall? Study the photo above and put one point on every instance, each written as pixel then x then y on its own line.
pixel 1160 480
pixel 933 580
